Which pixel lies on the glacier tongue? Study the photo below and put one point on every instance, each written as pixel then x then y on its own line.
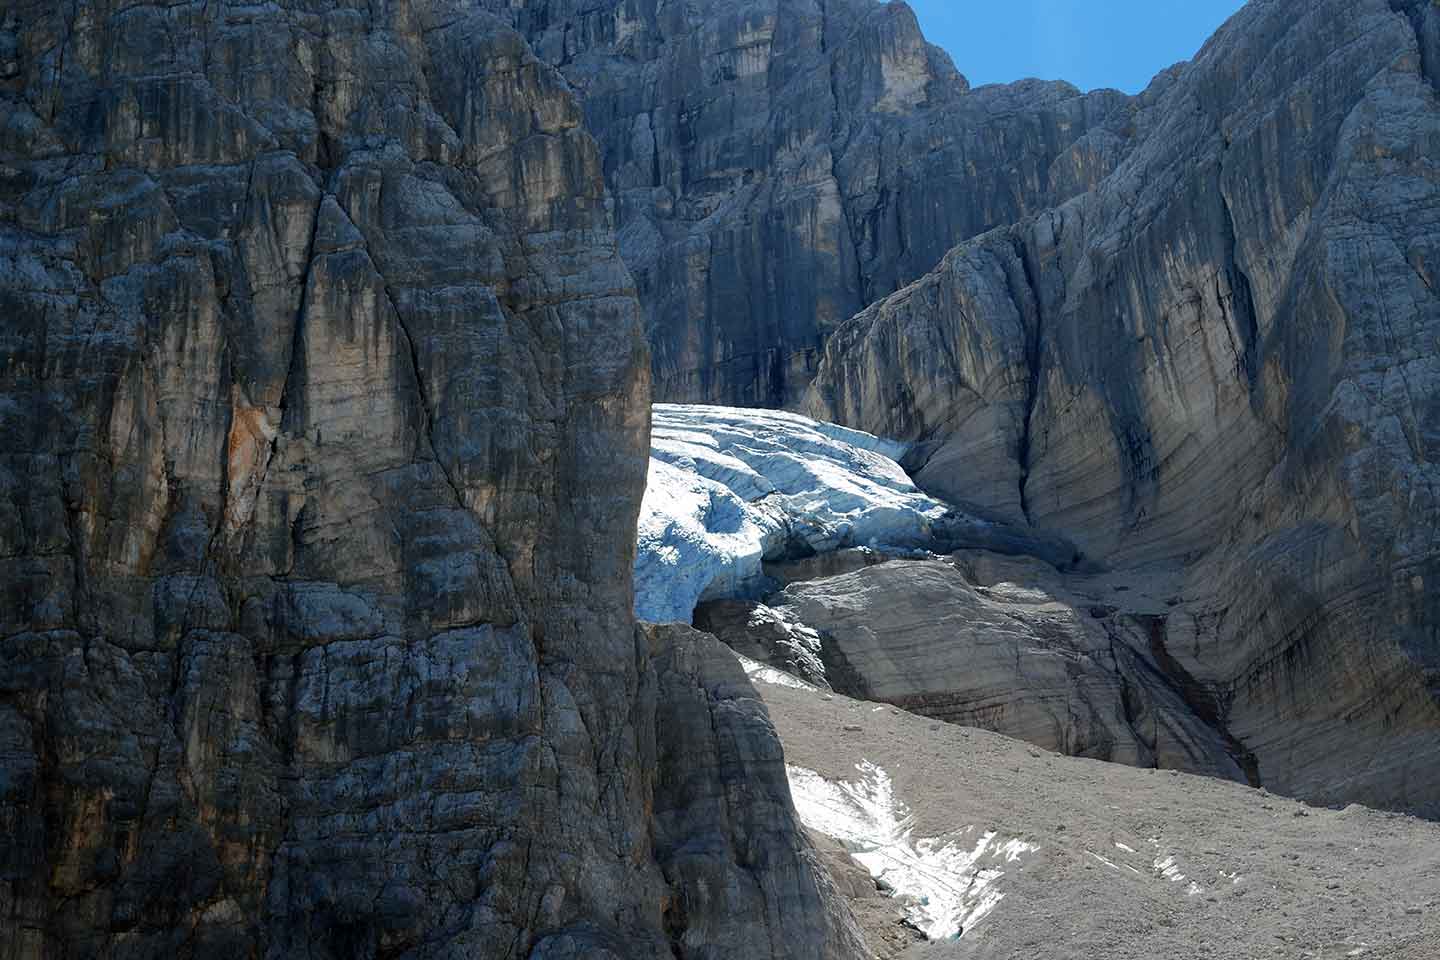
pixel 730 488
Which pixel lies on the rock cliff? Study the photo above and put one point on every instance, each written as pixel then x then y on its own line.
pixel 323 422
pixel 779 164
pixel 324 409
pixel 1222 365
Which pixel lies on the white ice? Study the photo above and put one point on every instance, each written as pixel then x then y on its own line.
pixel 730 487
pixel 760 673
pixel 1167 868
pixel 948 887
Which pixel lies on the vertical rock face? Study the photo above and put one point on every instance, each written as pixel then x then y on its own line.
pixel 779 164
pixel 1222 361
pixel 323 423
pixel 725 831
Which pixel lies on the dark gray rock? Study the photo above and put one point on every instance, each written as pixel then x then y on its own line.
pixel 323 424
pixel 766 636
pixel 748 881
pixel 779 164
pixel 1222 361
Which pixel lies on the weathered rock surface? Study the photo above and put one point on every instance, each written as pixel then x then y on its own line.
pixel 1225 360
pixel 323 423
pixel 748 881
pixel 773 638
pixel 992 642
pixel 779 164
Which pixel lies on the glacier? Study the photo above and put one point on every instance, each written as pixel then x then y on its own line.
pixel 730 489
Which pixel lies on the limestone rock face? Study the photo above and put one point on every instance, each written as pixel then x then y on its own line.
pixel 779 164
pixel 1223 361
pixel 748 881
pixel 323 422
pixel 992 642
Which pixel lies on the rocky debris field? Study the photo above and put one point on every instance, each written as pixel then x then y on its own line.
pixel 1078 858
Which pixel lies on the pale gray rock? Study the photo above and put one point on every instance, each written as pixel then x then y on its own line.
pixel 1001 643
pixel 1223 360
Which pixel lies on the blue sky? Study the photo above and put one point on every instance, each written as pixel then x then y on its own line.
pixel 1102 43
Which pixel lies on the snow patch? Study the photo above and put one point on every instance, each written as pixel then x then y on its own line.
pixel 947 887
pixel 729 488
pixel 1166 867
pixel 760 673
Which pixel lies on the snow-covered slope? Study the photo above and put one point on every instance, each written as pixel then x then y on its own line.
pixel 731 487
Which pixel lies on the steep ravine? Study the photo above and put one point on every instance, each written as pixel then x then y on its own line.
pixel 777 165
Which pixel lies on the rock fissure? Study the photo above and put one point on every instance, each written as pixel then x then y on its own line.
pixel 1242 301
pixel 1034 334
pixel 1200 699
pixel 1423 18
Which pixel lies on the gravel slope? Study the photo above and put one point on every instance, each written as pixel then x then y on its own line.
pixel 1263 876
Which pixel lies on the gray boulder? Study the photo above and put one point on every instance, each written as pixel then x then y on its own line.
pixel 999 643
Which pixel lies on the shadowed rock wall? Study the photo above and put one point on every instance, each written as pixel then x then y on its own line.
pixel 323 421
pixel 779 164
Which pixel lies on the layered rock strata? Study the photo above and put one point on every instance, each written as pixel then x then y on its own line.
pixel 1224 361
pixel 323 416
pixel 1001 643
pixel 779 164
